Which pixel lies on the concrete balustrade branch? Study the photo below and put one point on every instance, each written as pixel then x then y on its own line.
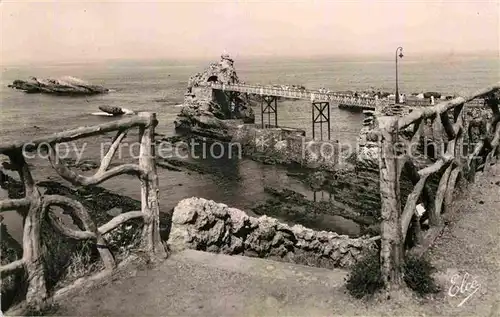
pixel 449 132
pixel 38 204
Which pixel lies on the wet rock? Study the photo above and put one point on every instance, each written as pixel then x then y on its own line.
pixel 184 165
pixel 346 203
pixel 432 94
pixel 112 110
pixel 116 111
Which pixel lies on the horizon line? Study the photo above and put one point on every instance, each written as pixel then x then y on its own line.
pixel 200 58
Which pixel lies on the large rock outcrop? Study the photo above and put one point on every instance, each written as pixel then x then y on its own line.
pixel 222 72
pixel 202 224
pixel 206 108
pixel 63 86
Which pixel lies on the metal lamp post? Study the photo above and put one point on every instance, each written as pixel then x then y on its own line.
pixel 400 55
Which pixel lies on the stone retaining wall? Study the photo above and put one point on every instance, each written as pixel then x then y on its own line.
pixel 205 225
pixel 289 145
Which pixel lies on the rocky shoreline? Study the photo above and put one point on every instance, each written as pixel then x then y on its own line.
pixel 361 209
pixel 213 118
pixel 307 231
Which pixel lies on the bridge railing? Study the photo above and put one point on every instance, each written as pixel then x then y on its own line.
pixel 38 204
pixel 300 94
pixel 452 128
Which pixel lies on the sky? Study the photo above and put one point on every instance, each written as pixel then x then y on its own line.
pixel 96 30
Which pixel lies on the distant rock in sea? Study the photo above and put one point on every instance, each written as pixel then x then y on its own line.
pixel 113 111
pixel 63 86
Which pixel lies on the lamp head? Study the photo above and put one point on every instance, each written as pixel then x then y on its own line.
pixel 401 54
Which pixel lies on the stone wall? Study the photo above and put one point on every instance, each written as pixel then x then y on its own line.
pixel 290 146
pixel 202 224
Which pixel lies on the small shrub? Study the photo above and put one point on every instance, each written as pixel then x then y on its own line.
pixel 81 264
pixel 365 278
pixel 417 276
pixel 59 251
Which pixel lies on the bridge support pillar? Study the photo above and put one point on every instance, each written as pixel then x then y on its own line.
pixel 232 97
pixel 269 109
pixel 228 100
pixel 320 114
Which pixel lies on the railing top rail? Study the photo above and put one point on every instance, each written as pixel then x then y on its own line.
pixel 142 119
pixel 281 91
pixel 429 112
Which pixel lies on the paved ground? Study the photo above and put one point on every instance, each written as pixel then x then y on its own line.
pixel 201 284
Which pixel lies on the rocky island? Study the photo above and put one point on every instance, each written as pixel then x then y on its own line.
pixel 203 110
pixel 64 86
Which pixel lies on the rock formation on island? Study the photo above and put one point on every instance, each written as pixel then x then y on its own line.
pixel 221 72
pixel 63 86
pixel 205 110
